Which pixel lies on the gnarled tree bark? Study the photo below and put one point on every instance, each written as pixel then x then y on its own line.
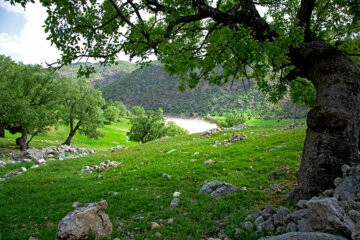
pixel 332 137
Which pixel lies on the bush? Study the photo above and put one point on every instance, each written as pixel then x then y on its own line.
pixel 233 120
pixel 172 129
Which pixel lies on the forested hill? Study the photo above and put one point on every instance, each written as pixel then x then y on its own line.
pixel 103 75
pixel 151 87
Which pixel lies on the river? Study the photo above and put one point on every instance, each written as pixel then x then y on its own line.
pixel 193 125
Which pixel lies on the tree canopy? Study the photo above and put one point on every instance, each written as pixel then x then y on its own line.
pixel 29 99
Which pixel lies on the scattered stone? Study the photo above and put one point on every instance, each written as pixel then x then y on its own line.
pixel 281 214
pixel 253 216
pixel 193 160
pixel 175 202
pixel 155 225
pixel 116 147
pixel 22 169
pixel 172 150
pixel 77 204
pixel 217 188
pixel 275 187
pixel 80 222
pixel 356 233
pixel 157 234
pixel 12 174
pixel 10 162
pixel 294 125
pixel 291 227
pixel 248 225
pixel 276 147
pixel 170 221
pixel 176 194
pixel 289 195
pixel 1 180
pixel 195 154
pixel 140 218
pixel 267 226
pixel 40 161
pixel 304 236
pixel 101 167
pixel 209 162
pixel 234 138
pixel 301 204
pixel 210 132
pixel 165 175
pixel 32 238
pixel 355 215
pixel 349 187
pixel 326 215
pixel 34 166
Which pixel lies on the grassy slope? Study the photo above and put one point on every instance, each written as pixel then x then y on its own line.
pixel 26 200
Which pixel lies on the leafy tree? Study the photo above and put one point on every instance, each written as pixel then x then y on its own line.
pixel 137 111
pixel 172 129
pixel 111 113
pixel 82 109
pixel 29 100
pixel 122 108
pixel 233 120
pixel 147 127
pixel 314 39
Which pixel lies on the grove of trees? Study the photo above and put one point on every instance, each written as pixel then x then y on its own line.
pixel 34 99
pixel 316 40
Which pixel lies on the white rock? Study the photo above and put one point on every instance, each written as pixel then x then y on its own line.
pixel 209 162
pixel 22 169
pixel 176 194
pixel 175 202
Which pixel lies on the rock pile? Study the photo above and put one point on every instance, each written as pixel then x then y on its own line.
pixel 79 223
pixel 33 154
pixel 101 167
pixel 234 138
pixel 118 147
pixel 334 212
pixel 294 125
pixel 210 132
pixel 217 188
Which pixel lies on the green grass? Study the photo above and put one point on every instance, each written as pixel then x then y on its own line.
pixel 262 122
pixel 27 200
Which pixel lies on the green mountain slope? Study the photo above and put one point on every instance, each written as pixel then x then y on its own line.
pixel 151 87
pixel 103 75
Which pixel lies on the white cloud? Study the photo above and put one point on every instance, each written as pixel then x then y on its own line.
pixel 29 45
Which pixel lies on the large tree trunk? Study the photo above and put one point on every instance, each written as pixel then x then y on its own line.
pixel 332 137
pixel 2 130
pixel 21 141
pixel 68 140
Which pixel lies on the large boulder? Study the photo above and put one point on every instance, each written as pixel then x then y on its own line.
pixel 348 188
pixel 304 236
pixel 79 223
pixel 217 188
pixel 326 215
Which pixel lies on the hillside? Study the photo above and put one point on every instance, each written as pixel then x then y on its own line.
pixel 33 203
pixel 152 88
pixel 103 75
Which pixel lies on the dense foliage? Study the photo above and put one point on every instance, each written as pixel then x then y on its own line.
pixel 29 100
pixel 233 120
pixel 149 125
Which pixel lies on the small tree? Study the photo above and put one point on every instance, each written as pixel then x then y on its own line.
pixel 111 114
pixel 148 126
pixel 233 120
pixel 122 108
pixel 172 129
pixel 137 111
pixel 82 109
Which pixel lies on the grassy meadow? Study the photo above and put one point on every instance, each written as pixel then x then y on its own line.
pixel 33 203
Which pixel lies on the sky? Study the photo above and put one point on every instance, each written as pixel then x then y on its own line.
pixel 22 36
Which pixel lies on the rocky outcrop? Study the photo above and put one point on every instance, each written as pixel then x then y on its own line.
pixel 34 154
pixel 210 132
pixel 217 188
pixel 234 138
pixel 101 167
pixel 334 212
pixel 86 220
pixel 294 125
pixel 304 236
